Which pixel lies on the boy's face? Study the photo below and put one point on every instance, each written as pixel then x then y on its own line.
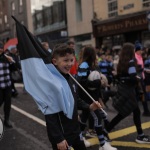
pixel 64 64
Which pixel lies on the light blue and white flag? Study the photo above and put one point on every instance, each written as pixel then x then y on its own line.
pixel 42 80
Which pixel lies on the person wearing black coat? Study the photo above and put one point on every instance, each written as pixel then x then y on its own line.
pixel 125 101
pixel 63 132
pixel 5 84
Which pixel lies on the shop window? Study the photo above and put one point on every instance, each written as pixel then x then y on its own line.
pixel 78 11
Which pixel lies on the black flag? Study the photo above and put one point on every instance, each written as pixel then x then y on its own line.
pixel 42 80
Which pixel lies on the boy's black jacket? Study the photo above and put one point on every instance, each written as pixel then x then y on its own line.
pixel 59 126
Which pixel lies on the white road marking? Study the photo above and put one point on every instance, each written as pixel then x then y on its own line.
pixel 40 121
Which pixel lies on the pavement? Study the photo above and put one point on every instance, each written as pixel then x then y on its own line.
pixel 29 129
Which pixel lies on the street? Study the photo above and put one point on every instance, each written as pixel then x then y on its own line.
pixel 29 131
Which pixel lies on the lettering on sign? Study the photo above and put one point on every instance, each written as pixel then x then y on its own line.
pixel 122 25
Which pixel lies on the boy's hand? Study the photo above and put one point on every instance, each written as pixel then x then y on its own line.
pixel 62 145
pixel 95 105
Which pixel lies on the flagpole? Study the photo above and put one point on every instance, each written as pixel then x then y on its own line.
pixel 86 92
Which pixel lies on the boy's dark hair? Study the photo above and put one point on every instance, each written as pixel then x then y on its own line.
pixel 61 50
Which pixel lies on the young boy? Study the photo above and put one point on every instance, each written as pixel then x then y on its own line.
pixel 63 132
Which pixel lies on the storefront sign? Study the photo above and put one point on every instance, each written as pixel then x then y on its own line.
pixel 122 26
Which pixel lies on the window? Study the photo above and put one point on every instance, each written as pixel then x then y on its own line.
pixel 5 19
pixel 47 16
pixel 22 22
pixel 112 14
pixel 20 6
pixel 1 21
pixel 39 20
pixel 146 3
pixel 78 11
pixel 112 6
pixel 112 9
pixel 20 2
pixel 12 6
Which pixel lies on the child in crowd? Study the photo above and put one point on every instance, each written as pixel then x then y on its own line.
pixel 87 65
pixel 63 132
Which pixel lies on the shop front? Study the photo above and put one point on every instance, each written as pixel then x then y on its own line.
pixel 115 32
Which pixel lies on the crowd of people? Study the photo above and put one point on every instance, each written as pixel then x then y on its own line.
pixel 127 68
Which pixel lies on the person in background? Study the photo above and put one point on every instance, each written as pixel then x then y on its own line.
pixel 46 46
pixel 125 101
pixel 147 73
pixel 5 84
pixel 13 52
pixel 74 68
pixel 105 66
pixel 141 92
pixel 115 62
pixel 88 65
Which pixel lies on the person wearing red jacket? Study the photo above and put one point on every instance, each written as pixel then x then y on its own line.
pixel 74 68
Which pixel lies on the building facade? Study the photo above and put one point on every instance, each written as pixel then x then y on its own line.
pixel 79 16
pixel 119 21
pixel 18 8
pixel 49 21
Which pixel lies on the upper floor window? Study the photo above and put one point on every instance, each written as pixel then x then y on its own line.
pixel 112 8
pixel 5 19
pixel 1 21
pixel 39 20
pixel 20 2
pixel 146 3
pixel 22 22
pixel 20 6
pixel 78 10
pixel 12 6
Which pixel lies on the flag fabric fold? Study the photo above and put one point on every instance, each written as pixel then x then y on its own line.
pixel 42 80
